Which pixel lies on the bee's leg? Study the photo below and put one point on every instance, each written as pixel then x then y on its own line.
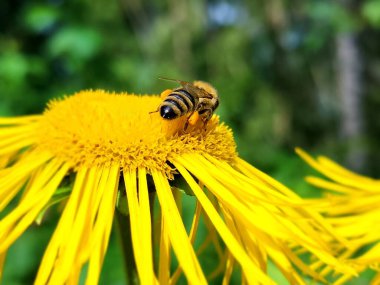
pixel 158 108
pixel 186 123
pixel 206 116
pixel 191 119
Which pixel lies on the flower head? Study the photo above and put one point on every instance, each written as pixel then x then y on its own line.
pixel 100 138
pixel 352 207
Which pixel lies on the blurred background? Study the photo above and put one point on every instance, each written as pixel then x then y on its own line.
pixel 289 73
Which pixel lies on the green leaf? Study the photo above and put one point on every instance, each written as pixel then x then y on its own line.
pixel 371 12
pixel 40 17
pixel 121 200
pixel 333 14
pixel 75 42
pixel 14 67
pixel 180 184
pixel 60 195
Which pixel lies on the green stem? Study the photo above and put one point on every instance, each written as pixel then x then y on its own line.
pixel 124 226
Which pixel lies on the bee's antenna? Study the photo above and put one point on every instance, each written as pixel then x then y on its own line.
pixel 175 80
pixel 168 79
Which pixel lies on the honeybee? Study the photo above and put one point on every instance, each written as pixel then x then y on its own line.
pixel 193 97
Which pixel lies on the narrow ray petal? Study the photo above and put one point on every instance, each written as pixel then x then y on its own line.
pixel 19 120
pixel 273 226
pixel 18 172
pixel 177 233
pixel 248 266
pixel 13 225
pixel 64 227
pixel 193 231
pixel 229 269
pixel 164 261
pixel 335 167
pixel 143 198
pixel 81 225
pixel 139 211
pixel 338 176
pixel 16 146
pixel 101 230
pixel 321 183
pixel 13 132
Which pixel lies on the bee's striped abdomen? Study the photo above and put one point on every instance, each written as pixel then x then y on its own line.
pixel 177 104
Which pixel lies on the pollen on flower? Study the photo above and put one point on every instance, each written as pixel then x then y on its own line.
pixel 99 128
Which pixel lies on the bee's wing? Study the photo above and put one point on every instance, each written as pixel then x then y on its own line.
pixel 190 87
pixel 201 93
pixel 195 90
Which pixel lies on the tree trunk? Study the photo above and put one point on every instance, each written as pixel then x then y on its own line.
pixel 350 93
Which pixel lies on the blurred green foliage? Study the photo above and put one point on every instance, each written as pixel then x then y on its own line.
pixel 273 63
pixel 371 12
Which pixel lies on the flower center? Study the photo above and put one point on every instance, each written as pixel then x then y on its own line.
pixel 96 127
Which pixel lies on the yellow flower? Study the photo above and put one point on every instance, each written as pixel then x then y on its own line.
pixel 103 139
pixel 352 209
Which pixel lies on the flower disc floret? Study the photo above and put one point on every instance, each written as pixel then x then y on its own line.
pixel 100 128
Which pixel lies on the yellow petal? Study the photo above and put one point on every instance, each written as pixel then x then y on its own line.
pixel 19 120
pixel 65 226
pixel 164 262
pixel 144 208
pixel 229 269
pixel 139 211
pixel 251 270
pixel 338 176
pixel 193 231
pixel 21 170
pixel 177 233
pixel 100 233
pixel 14 224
